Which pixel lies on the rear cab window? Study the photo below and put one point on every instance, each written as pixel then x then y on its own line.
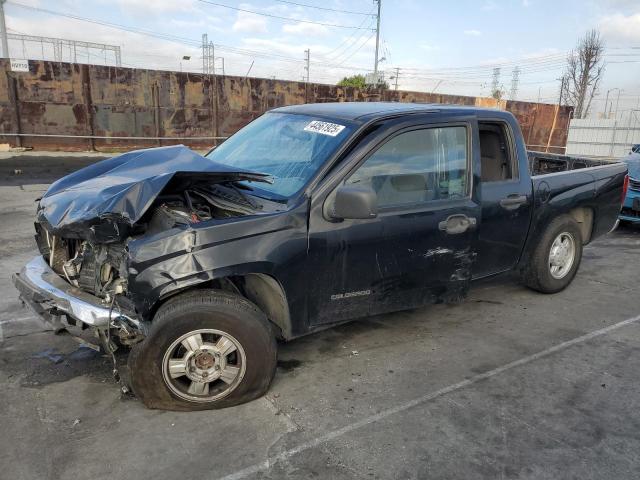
pixel 498 159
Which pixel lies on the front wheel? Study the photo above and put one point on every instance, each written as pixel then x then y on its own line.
pixel 556 258
pixel 206 349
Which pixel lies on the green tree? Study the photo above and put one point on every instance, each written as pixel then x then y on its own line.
pixel 359 81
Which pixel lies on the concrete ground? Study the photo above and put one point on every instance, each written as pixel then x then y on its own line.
pixel 509 384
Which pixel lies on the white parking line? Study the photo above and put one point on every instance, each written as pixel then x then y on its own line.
pixel 17 320
pixel 420 400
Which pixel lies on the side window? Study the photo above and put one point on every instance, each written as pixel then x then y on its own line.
pixel 497 161
pixel 417 166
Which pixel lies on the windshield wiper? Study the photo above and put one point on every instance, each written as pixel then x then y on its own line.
pixel 247 198
pixel 229 196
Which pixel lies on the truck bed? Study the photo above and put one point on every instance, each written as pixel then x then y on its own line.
pixel 564 184
pixel 541 163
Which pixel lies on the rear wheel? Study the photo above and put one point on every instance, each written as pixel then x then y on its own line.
pixel 206 349
pixel 556 258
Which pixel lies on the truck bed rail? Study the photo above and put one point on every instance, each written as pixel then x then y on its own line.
pixel 541 163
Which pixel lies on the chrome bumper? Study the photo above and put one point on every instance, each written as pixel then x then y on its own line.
pixel 49 295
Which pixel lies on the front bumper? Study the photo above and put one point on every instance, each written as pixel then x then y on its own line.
pixel 51 296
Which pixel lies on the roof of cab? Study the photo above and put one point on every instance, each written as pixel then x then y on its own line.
pixel 371 110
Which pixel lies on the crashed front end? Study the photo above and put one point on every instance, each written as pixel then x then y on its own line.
pixel 62 304
pixel 86 220
pixel 80 283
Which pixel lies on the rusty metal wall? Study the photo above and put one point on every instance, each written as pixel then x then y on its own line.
pixel 92 100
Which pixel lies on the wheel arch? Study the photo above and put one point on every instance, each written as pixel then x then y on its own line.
pixel 584 217
pixel 262 289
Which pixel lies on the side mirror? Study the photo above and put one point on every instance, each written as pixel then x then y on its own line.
pixel 355 202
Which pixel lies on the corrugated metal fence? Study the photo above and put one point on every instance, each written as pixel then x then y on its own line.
pixel 69 106
pixel 601 137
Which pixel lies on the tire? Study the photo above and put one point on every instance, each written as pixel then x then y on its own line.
pixel 197 336
pixel 539 274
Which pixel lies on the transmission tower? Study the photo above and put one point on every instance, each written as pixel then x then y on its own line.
pixel 495 80
pixel 209 57
pixel 64 49
pixel 515 79
pixel 205 53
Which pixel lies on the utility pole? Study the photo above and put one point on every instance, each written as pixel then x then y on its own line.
pixel 606 102
pixel 307 57
pixel 212 58
pixel 562 84
pixel 615 124
pixel 396 77
pixel 375 66
pixel 615 115
pixel 555 115
pixel 3 31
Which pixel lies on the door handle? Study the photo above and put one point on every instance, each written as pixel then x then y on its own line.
pixel 455 224
pixel 513 201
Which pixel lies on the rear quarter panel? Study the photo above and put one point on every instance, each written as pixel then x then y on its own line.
pixel 608 191
pixel 555 194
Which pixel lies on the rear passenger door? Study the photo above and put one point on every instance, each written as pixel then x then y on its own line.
pixel 506 194
pixel 419 248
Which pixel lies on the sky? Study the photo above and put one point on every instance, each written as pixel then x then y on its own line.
pixel 443 46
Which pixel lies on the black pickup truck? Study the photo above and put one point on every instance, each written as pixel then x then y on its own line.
pixel 310 216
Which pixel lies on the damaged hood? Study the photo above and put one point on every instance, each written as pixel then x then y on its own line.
pixel 113 194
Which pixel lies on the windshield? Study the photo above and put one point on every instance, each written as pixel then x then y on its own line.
pixel 289 147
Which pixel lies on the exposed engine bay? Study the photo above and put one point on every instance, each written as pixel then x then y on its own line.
pixel 198 204
pixel 100 268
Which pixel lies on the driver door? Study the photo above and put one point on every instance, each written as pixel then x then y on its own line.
pixel 419 247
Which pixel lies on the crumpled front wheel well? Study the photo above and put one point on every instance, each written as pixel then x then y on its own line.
pixel 261 289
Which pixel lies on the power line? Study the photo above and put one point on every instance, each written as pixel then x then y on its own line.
pixel 322 8
pixel 348 51
pixel 350 37
pixel 490 67
pixel 461 75
pixel 279 17
pixel 141 31
pixel 354 52
pixel 544 61
pixel 181 40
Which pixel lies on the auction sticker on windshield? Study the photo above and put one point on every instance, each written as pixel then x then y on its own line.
pixel 325 128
